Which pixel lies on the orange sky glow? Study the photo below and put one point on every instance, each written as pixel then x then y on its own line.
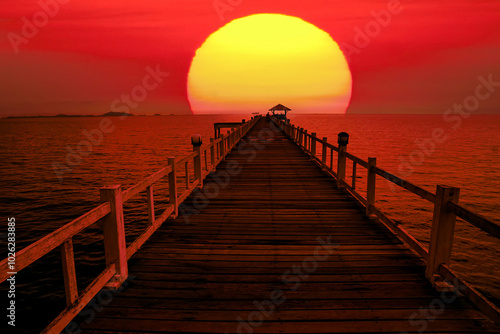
pixel 88 57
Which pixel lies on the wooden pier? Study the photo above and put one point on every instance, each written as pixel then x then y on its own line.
pixel 270 239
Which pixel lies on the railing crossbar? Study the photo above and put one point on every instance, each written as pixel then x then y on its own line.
pixel 111 211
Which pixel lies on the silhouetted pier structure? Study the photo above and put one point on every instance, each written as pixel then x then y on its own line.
pixel 280 107
pixel 271 238
pixel 225 125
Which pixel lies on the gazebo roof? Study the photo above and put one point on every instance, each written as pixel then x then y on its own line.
pixel 280 107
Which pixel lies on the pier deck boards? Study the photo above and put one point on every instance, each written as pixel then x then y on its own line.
pixel 211 275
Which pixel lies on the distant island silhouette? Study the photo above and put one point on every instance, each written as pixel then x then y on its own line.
pixel 108 114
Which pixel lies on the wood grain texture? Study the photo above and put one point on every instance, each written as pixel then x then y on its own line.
pixel 243 256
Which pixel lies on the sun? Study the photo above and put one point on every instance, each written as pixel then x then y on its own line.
pixel 255 62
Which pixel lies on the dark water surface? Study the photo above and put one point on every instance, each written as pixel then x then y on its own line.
pixel 467 157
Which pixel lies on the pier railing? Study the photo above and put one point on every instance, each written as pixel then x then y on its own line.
pixel 446 209
pixel 204 160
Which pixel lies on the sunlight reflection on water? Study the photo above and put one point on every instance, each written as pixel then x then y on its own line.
pixel 139 146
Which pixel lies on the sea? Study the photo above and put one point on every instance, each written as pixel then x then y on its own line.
pixel 51 170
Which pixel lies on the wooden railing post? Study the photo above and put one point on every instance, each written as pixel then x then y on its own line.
pixel 313 144
pixel 222 146
pixel 323 153
pixel 206 159
pixel 341 166
pixel 218 153
pixel 306 141
pixel 186 167
pixel 212 153
pixel 442 231
pixel 69 273
pixel 331 158
pixel 151 205
pixel 172 186
pixel 370 185
pixel 197 142
pixel 115 246
pixel 354 172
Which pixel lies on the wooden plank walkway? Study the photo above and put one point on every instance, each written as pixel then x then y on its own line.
pixel 251 262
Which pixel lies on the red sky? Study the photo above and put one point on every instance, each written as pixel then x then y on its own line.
pixel 428 57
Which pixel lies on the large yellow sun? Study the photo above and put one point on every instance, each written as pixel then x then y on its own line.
pixel 255 62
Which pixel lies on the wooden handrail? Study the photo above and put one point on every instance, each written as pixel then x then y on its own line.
pixel 425 194
pixel 355 159
pixel 446 209
pixel 64 318
pixel 475 219
pixel 186 159
pixel 420 249
pixel 111 210
pixel 328 145
pixel 141 186
pixel 490 309
pixel 36 250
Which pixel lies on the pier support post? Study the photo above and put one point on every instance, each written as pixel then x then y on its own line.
pixel 172 186
pixel 69 272
pixel 341 166
pixel 222 146
pixel 212 154
pixel 442 231
pixel 370 185
pixel 151 205
pixel 323 153
pixel 115 246
pixel 354 172
pixel 306 146
pixel 313 144
pixel 197 142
